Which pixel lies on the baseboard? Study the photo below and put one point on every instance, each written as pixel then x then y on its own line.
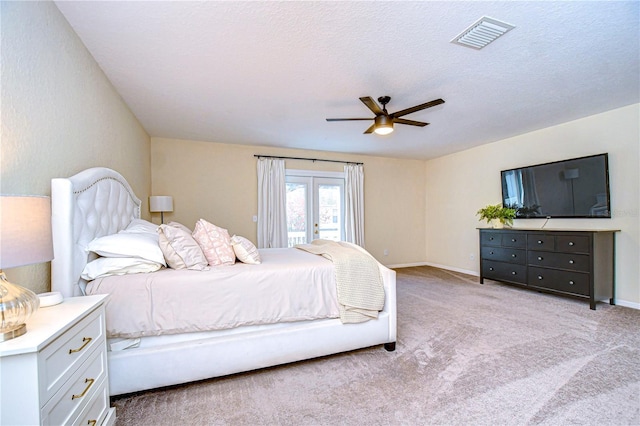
pixel 627 304
pixel 406 265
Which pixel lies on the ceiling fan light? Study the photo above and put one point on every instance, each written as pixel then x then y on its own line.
pixel 383 125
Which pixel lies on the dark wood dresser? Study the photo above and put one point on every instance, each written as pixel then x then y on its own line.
pixel 577 263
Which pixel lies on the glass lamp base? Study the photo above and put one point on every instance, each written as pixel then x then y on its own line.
pixel 16 332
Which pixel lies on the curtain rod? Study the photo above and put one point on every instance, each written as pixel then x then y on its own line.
pixel 308 159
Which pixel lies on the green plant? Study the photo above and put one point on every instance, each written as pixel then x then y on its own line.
pixel 495 211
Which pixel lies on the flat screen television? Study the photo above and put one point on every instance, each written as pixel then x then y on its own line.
pixel 574 188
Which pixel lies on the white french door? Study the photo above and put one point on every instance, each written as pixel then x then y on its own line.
pixel 315 206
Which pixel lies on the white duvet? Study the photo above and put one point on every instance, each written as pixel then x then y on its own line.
pixel 289 285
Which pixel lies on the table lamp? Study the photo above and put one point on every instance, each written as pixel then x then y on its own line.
pixel 25 239
pixel 161 203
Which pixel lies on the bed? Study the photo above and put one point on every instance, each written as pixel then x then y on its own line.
pixel 99 202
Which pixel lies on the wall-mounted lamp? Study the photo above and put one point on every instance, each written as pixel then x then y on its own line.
pixel 383 125
pixel 25 239
pixel 161 203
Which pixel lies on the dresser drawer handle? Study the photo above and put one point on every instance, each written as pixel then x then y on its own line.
pixel 491 269
pixel 90 381
pixel 539 257
pixel 490 238
pixel 571 243
pixel 86 341
pixel 571 262
pixel 513 240
pixel 540 277
pixel 92 422
pixel 514 256
pixel 539 241
pixel 514 273
pixel 571 282
pixel 490 252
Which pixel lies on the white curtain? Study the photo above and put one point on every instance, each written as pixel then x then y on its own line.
pixel 354 203
pixel 272 203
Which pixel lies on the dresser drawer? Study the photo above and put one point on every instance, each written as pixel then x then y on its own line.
pixel 491 238
pixel 504 255
pixel 572 244
pixel 541 242
pixel 514 239
pixel 69 351
pixel 504 271
pixel 565 281
pixel 573 262
pixel 78 392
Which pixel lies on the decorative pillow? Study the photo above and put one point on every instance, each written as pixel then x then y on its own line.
pixel 180 250
pixel 215 243
pixel 128 244
pixel 179 225
pixel 141 226
pixel 106 266
pixel 245 251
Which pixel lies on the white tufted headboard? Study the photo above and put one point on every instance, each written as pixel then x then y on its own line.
pixel 93 203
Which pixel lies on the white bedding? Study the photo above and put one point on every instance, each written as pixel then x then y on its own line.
pixel 289 285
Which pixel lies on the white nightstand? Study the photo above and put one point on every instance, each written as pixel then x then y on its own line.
pixel 56 374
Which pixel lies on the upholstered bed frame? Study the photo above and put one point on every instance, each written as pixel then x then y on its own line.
pixel 98 202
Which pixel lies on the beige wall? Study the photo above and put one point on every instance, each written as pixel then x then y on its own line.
pixel 218 182
pixel 60 114
pixel 458 185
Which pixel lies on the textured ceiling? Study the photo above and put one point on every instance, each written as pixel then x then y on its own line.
pixel 269 73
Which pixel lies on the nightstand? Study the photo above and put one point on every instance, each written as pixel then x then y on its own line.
pixel 56 374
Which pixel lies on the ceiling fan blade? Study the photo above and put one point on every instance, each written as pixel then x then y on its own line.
pixel 372 105
pixel 349 119
pixel 370 129
pixel 409 122
pixel 417 108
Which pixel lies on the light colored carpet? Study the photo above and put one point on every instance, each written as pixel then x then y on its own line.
pixel 467 354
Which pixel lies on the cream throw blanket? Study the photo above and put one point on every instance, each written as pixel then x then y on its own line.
pixel 358 279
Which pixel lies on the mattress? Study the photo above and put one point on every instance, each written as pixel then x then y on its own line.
pixel 289 285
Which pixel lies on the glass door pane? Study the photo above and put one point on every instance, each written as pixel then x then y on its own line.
pixel 328 223
pixel 297 213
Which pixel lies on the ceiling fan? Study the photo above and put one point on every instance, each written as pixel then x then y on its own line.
pixel 383 121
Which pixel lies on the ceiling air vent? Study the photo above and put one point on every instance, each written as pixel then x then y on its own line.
pixel 482 32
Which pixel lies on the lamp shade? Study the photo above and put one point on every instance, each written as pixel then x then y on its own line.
pixel 25 230
pixel 25 238
pixel 160 203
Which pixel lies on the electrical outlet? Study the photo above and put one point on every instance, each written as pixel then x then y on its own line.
pixel 386 252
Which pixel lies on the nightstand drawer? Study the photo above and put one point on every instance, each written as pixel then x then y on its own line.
pixel 78 392
pixel 68 352
pixel 96 412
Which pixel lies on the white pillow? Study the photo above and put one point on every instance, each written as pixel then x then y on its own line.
pixel 215 243
pixel 128 244
pixel 245 250
pixel 141 225
pixel 180 250
pixel 106 266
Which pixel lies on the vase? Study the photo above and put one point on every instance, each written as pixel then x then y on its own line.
pixel 496 224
